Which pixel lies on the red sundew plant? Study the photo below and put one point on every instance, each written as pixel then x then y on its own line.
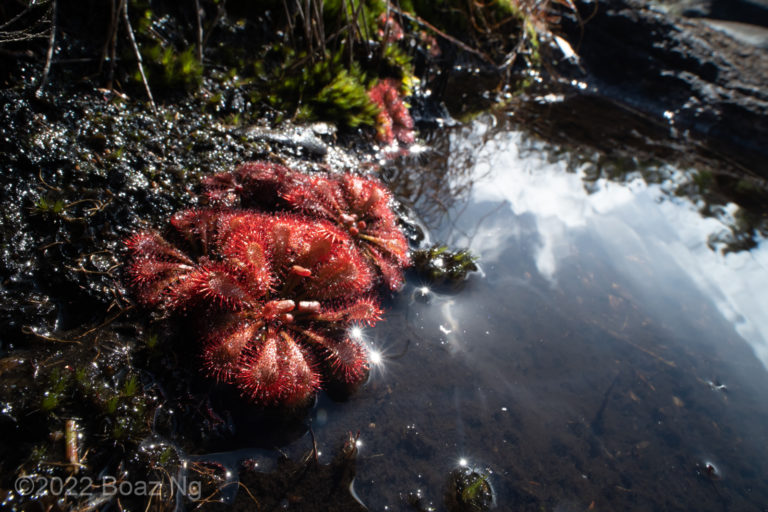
pixel 279 292
pixel 360 206
pixel 253 182
pixel 393 121
pixel 389 29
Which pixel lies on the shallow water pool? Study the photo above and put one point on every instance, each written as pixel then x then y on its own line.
pixel 605 357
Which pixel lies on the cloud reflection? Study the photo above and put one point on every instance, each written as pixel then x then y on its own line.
pixel 627 220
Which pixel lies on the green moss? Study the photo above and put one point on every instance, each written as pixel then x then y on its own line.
pixel 327 89
pixel 345 98
pixel 50 402
pixel 110 407
pixel 38 454
pixel 119 428
pixel 152 341
pixel 169 68
pixel 58 384
pixel 531 34
pixel 170 62
pixel 115 155
pixel 477 485
pixel 469 490
pixel 131 386
pixel 398 63
pixel 438 263
pixel 165 455
pixel 233 119
pixel 81 375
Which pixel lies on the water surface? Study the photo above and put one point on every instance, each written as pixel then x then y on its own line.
pixel 605 358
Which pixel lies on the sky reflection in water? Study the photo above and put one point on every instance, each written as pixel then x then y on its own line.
pixel 596 360
pixel 629 221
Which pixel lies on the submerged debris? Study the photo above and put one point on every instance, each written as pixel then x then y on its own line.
pixel 306 484
pixel 469 490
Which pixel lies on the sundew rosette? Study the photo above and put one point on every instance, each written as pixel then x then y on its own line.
pixel 279 292
pixel 361 206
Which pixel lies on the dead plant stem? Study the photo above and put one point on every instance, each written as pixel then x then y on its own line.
pixel 137 53
pixel 51 48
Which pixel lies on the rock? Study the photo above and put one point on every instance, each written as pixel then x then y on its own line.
pixel 685 71
pixel 751 35
pixel 744 11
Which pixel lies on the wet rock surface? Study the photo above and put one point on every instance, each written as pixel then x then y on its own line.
pixel 684 73
pixel 80 170
pixel 746 11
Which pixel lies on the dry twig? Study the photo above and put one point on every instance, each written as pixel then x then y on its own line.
pixel 137 53
pixel 51 46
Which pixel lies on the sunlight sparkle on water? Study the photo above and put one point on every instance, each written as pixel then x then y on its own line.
pixel 356 333
pixel 374 356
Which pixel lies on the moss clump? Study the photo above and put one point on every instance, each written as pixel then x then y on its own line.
pixel 326 89
pixel 440 264
pixel 169 68
pixel 170 63
pixel 346 99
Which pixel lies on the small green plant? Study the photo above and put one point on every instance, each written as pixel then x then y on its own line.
pixel 152 341
pixel 38 454
pixel 81 375
pixel 478 485
pixel 58 384
pixel 111 404
pixel 165 455
pixel 131 386
pixel 345 98
pixel 120 428
pixel 48 206
pixel 50 402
